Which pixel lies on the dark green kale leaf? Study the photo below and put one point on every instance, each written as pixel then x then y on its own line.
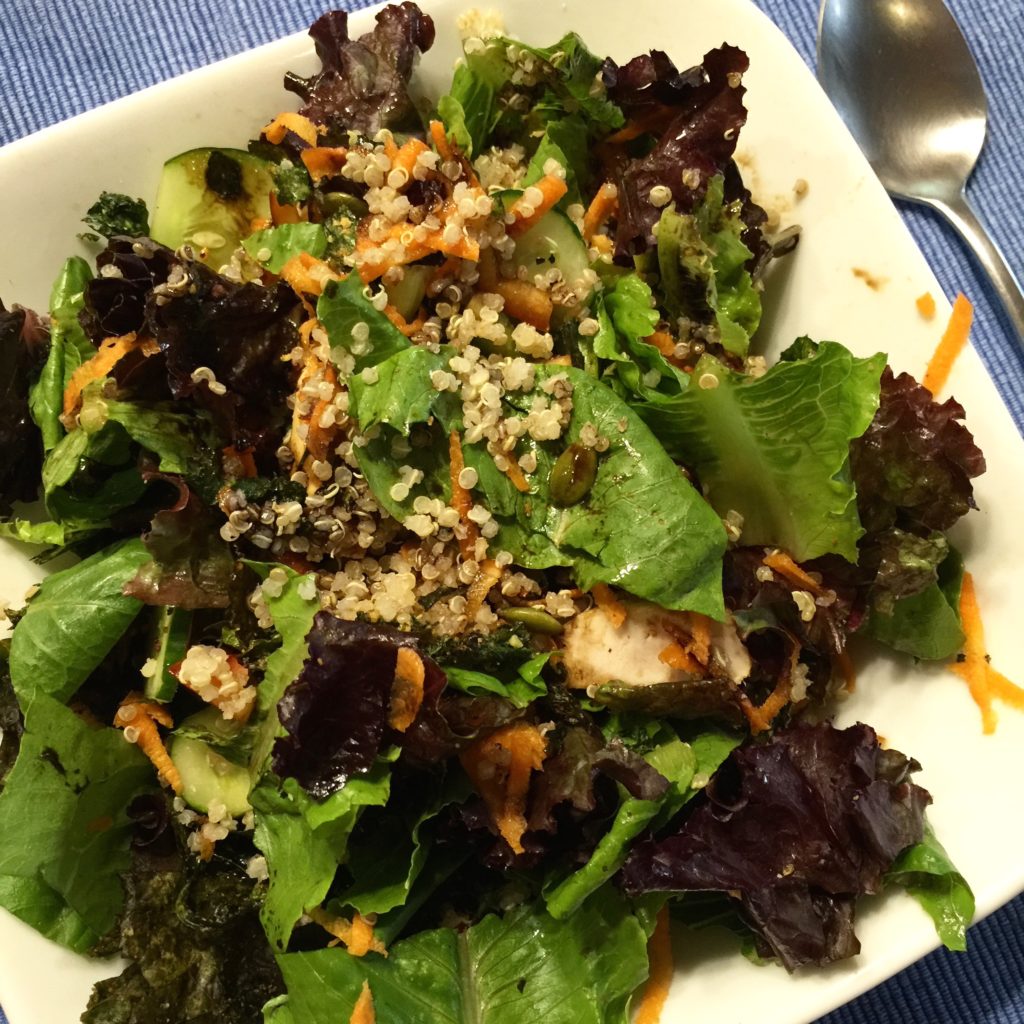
pixel 192 932
pixel 116 214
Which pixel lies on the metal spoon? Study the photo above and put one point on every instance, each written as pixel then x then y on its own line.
pixel 902 77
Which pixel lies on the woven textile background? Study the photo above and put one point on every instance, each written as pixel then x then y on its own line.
pixel 61 57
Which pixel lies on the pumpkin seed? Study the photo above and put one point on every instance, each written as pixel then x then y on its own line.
pixel 536 620
pixel 572 476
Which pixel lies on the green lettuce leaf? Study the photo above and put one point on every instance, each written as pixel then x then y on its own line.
pixel 642 527
pixel 274 247
pixel 341 307
pixel 69 348
pixel 701 254
pixel 523 967
pixel 524 689
pixel 776 448
pixel 401 393
pixel 292 615
pixel 927 624
pixel 469 110
pixel 687 766
pixel 927 873
pixel 75 619
pixel 565 141
pixel 64 825
pixel 305 841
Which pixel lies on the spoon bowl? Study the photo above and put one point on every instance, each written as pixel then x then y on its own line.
pixel 902 77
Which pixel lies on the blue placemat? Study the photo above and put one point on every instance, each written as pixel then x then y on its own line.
pixel 58 61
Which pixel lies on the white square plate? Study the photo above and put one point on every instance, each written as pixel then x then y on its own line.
pixel 848 223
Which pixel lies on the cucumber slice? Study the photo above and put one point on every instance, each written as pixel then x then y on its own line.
pixel 553 242
pixel 208 198
pixel 173 626
pixel 407 294
pixel 209 777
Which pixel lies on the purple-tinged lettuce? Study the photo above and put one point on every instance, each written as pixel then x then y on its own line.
pixel 363 84
pixel 838 810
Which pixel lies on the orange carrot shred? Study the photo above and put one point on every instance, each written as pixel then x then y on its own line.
pixel 983 681
pixel 357 934
pixel 602 206
pixel 659 981
pixel 499 766
pixel 440 140
pixel 676 656
pixel 953 340
pixel 238 465
pixel 363 1012
pixel 307 275
pixel 552 188
pixel 783 564
pixel 406 157
pixel 663 342
pixel 926 305
pixel 281 213
pixel 324 161
pixel 142 716
pixel 407 689
pixel 489 575
pixel 700 637
pixel 107 356
pixel 290 121
pixel 462 502
pixel 613 608
pixel 515 473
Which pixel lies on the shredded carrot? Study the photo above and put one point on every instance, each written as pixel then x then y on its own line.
pixel 663 342
pixel 487 268
pixel 462 501
pixel 602 243
pixel 486 579
pixel 363 1012
pixel 676 656
pixel 324 161
pixel 407 689
pixel 238 465
pixel 289 121
pixel 984 682
pixel 406 157
pixel 515 473
pixel 411 247
pixel 142 716
pixel 602 206
pixel 953 340
pixel 551 188
pixel 926 305
pixel 390 148
pixel 440 140
pixel 783 564
pixel 307 275
pixel 110 352
pixel 760 718
pixel 408 328
pixel 500 766
pixel 659 980
pixel 700 637
pixel 357 934
pixel 846 667
pixel 613 608
pixel 651 121
pixel 284 213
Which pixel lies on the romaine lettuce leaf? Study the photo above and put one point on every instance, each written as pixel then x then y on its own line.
pixel 75 619
pixel 274 247
pixel 69 348
pixel 64 824
pixel 341 307
pixel 703 268
pixel 927 873
pixel 304 841
pixel 776 448
pixel 523 967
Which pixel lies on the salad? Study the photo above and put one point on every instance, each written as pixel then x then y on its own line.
pixel 459 599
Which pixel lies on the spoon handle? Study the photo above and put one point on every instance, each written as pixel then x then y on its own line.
pixel 961 215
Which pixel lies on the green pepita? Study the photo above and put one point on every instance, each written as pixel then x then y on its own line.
pixel 572 475
pixel 536 620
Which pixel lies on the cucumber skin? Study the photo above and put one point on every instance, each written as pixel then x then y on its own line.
pixel 207 776
pixel 173 628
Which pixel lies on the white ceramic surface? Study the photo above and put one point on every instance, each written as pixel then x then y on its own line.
pixel 848 224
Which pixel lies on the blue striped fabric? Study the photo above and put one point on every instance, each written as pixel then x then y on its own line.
pixel 58 61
